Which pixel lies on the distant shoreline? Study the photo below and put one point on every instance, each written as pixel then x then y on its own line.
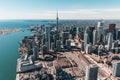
pixel 4 31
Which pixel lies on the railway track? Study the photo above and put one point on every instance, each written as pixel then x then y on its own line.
pixel 83 61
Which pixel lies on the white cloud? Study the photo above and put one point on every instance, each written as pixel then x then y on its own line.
pixel 71 14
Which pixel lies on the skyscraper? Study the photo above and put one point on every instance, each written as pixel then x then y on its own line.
pixel 91 29
pixel 95 35
pixel 86 40
pixel 87 30
pixel 52 46
pixel 82 46
pixel 65 36
pixel 35 53
pixel 100 26
pixel 58 45
pixel 114 44
pixel 47 31
pixel 116 69
pixel 112 29
pixel 88 49
pixel 86 37
pixel 92 72
pixel 68 44
pixel 118 34
pixel 44 50
pixel 110 40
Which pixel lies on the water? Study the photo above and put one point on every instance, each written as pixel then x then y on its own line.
pixel 9 54
pixel 22 23
pixel 9 47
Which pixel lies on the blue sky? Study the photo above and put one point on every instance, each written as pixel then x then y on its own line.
pixel 68 9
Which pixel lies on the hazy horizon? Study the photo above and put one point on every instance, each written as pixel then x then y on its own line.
pixel 47 9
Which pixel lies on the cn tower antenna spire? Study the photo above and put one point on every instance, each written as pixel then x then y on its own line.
pixel 57 20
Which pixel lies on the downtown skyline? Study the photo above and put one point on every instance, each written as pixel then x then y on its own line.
pixel 72 9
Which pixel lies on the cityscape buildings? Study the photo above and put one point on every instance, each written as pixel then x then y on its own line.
pixel 62 52
pixel 116 69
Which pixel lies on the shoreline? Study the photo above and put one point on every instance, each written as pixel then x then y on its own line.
pixel 4 31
